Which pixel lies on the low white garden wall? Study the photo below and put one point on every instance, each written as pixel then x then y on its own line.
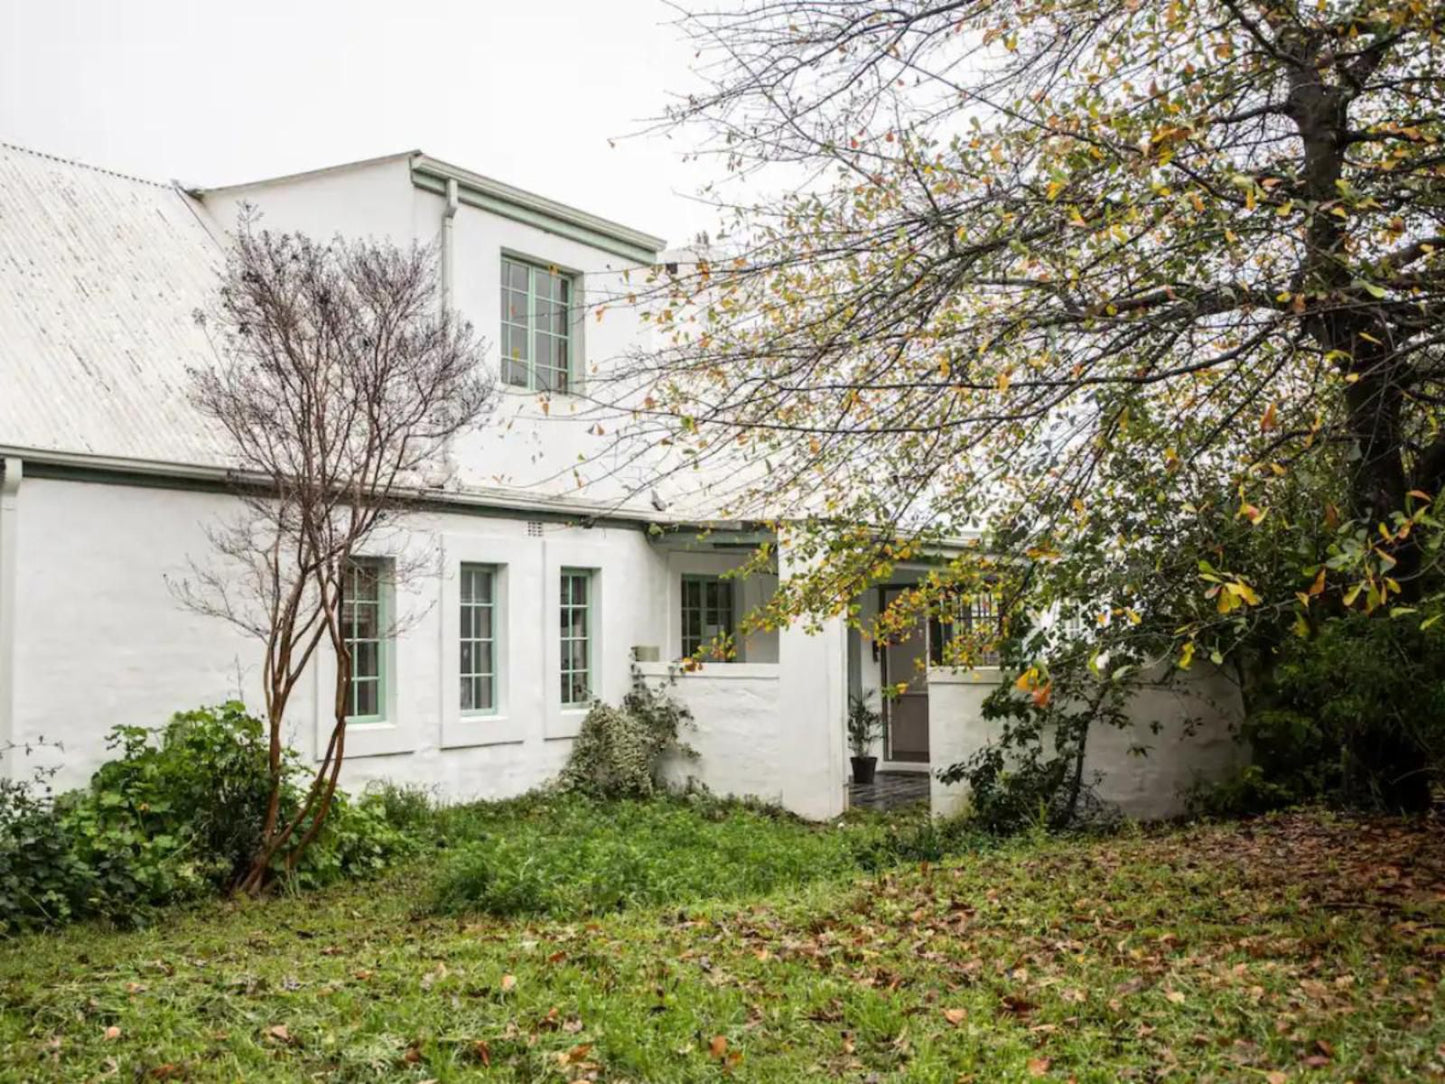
pixel 737 735
pixel 1145 787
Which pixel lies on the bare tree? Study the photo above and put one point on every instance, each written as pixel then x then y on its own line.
pixel 340 381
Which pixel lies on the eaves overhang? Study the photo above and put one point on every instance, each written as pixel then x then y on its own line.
pixel 475 190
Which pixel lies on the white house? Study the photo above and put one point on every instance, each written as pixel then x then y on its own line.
pixel 110 480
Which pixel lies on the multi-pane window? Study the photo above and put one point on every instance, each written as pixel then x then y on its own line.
pixel 975 616
pixel 478 638
pixel 536 327
pixel 707 611
pixel 576 637
pixel 363 625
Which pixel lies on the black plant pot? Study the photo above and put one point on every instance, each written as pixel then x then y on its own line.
pixel 863 769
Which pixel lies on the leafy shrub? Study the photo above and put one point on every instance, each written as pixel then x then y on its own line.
pixel 566 855
pixel 175 815
pixel 1354 717
pixel 197 786
pixel 620 753
pixel 41 881
pixel 1033 774
pixel 359 839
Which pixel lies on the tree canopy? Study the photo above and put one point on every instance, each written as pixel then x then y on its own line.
pixel 1084 280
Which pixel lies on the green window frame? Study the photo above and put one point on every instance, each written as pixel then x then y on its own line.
pixel 576 637
pixel 364 622
pixel 707 611
pixel 537 346
pixel 478 639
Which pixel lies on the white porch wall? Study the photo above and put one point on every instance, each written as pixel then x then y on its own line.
pixel 738 732
pixel 812 708
pixel 100 639
pixel 1142 787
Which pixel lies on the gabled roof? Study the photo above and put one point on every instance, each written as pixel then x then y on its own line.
pixel 100 274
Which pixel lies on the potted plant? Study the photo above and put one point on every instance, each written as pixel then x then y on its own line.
pixel 864 726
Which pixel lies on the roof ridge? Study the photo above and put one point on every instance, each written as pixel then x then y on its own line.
pixel 83 165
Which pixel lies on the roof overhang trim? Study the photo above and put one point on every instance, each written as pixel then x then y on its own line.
pixel 501 199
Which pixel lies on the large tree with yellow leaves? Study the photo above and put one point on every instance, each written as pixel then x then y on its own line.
pixel 1123 285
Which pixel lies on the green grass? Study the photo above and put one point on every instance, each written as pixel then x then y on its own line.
pixel 1299 948
pixel 570 857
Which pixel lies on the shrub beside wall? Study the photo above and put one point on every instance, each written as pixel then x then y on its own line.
pixel 176 814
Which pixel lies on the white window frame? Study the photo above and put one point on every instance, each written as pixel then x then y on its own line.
pixel 518 568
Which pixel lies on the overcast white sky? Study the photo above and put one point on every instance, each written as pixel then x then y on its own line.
pixel 211 93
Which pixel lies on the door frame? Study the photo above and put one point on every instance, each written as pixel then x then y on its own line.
pixel 888 759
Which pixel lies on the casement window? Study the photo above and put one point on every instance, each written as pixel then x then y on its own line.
pixel 364 622
pixel 478 639
pixel 968 615
pixel 707 611
pixel 537 347
pixel 577 616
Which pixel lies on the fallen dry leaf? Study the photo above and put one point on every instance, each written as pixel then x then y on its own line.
pixel 955 1016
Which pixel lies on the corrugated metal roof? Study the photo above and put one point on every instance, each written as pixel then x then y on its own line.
pixel 100 277
pixel 100 274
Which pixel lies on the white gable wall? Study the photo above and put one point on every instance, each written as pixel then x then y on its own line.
pixel 523 447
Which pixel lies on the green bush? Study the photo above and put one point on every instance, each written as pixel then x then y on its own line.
pixel 42 883
pixel 358 840
pixel 1352 717
pixel 620 753
pixel 894 840
pixel 196 788
pixel 176 814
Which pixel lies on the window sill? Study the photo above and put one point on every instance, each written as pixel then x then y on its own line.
pixel 566 722
pixel 373 738
pixel 482 729
pixel 556 396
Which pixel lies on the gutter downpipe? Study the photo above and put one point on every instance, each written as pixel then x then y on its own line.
pixel 13 471
pixel 449 216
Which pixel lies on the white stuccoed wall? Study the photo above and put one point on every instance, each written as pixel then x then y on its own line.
pixel 769 730
pixel 102 641
pixel 1146 787
pixel 524 447
pixel 736 733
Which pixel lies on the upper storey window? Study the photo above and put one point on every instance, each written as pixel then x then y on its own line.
pixel 536 326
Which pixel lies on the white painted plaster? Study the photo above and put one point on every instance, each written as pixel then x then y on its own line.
pixel 1147 787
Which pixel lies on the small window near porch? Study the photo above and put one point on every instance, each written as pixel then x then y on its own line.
pixel 971 615
pixel 577 600
pixel 364 627
pixel 707 612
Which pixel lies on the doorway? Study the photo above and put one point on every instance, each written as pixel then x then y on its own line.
pixel 905 715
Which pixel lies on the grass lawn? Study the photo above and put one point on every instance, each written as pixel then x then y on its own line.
pixel 1298 948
